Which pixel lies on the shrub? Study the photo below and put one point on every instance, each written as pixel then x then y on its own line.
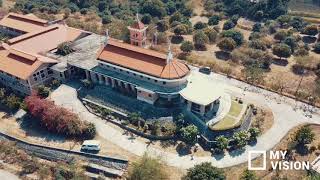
pixel 227 44
pixel 200 25
pixel 248 175
pixel 204 171
pixel 281 50
pixel 186 46
pixel 200 39
pixel 43 91
pixel 147 168
pixel 221 143
pixel 228 25
pixel 310 30
pixel 258 44
pixel 146 19
pixel 254 133
pixel 106 19
pixel 304 136
pixel 211 34
pixel 189 134
pixel 214 20
pixel 13 101
pixel 57 119
pixel 241 138
pixel 257 27
pixel 235 35
pixel 64 49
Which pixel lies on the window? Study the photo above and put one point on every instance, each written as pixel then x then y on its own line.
pixel 134 74
pixel 148 78
pixel 139 91
pixel 149 95
pixel 155 80
pixel 41 71
pixel 50 72
pixel 127 72
pixel 36 79
pixel 42 75
pixel 141 76
pixel 164 82
pixel 120 69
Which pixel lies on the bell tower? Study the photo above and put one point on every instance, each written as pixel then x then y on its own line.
pixel 138 33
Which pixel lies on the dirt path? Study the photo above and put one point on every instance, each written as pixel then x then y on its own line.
pixel 5 175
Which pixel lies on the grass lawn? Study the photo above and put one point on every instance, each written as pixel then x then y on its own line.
pixel 226 123
pixel 235 109
pixel 230 120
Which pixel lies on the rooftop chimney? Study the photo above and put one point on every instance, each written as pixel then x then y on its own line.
pixel 107 37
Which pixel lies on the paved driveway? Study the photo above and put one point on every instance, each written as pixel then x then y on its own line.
pixel 285 118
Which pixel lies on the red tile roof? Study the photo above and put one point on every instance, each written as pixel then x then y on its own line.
pixel 25 23
pixel 18 63
pixel 142 60
pixel 137 25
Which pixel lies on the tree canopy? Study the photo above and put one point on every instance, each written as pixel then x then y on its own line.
pixel 204 171
pixel 147 168
pixel 281 50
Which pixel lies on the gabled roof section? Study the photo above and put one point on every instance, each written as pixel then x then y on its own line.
pixel 25 23
pixel 142 60
pixel 46 39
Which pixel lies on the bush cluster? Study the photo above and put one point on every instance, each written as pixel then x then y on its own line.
pixel 59 120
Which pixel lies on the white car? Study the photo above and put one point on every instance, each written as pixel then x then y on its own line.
pixel 90 145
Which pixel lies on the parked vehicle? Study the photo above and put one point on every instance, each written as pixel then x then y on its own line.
pixel 205 70
pixel 90 145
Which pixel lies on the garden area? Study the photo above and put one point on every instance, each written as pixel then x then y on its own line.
pixel 234 118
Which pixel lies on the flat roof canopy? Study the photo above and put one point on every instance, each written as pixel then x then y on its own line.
pixel 201 89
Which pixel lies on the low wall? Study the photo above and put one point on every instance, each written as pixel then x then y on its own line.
pixel 59 154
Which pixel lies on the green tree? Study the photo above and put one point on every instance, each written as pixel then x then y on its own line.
pixel 214 20
pixel 248 175
pixel 177 16
pixel 311 30
pixel 258 44
pixel 291 42
pixel 200 25
pixel 200 39
pixel 186 46
pixel 281 50
pixel 211 34
pixel 304 135
pixel 204 171
pixel 106 19
pixel 147 168
pixel 254 74
pixel 280 35
pixel 155 8
pixel 2 94
pixel 43 91
pixel 13 102
pixel 64 49
pixel 189 134
pixel 228 25
pixel 227 45
pixel 235 35
pixel 146 19
pixel 221 143
pixel 254 133
pixel 162 25
pixel 257 27
pixel 284 20
pixel 241 138
pixel 180 30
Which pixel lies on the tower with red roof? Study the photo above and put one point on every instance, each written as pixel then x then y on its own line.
pixel 138 33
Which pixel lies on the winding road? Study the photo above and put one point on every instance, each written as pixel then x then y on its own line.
pixel 285 118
